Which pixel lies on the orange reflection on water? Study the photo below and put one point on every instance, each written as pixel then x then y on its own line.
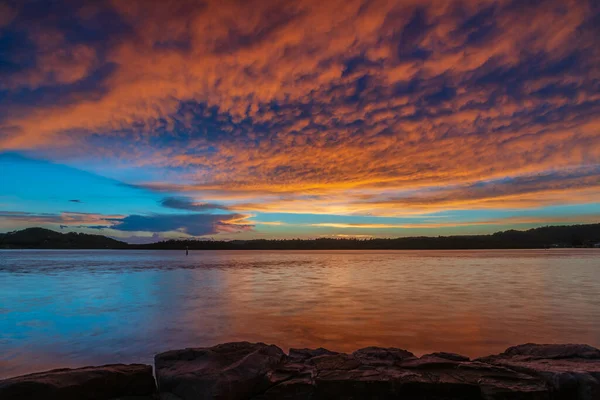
pixel 474 303
pixel 94 307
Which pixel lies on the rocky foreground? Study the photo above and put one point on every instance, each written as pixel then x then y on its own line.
pixel 258 371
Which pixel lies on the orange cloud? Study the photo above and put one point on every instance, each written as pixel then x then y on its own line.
pixel 273 102
pixel 15 219
pixel 499 221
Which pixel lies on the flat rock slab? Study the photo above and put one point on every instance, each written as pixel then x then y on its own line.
pixel 107 382
pixel 257 371
pixel 571 371
pixel 226 371
pixel 261 372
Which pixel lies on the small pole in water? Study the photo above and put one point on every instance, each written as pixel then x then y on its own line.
pixel 186 250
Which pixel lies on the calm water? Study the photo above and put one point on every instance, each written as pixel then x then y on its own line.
pixel 74 308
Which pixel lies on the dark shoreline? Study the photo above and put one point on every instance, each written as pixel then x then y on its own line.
pixel 243 370
pixel 568 236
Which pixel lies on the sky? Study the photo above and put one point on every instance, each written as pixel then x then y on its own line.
pixel 237 119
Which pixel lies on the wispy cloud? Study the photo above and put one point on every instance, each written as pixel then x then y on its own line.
pixel 497 222
pixel 61 220
pixel 184 203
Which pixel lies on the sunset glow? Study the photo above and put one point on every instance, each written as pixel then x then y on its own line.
pixel 144 120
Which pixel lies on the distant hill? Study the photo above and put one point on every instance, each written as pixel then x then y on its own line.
pixel 550 236
pixel 40 238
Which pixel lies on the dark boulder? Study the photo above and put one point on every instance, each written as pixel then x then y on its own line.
pixel 226 371
pixel 90 383
pixel 389 373
pixel 380 373
pixel 533 351
pixel 258 371
pixel 571 371
pixel 303 354
pixel 382 356
pixel 448 356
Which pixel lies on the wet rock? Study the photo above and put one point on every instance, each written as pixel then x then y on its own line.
pixel 571 371
pixel 531 351
pixel 382 373
pixel 382 356
pixel 119 381
pixel 303 354
pixel 262 372
pixel 226 371
pixel 334 362
pixel 295 388
pixel 430 361
pixel 448 356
